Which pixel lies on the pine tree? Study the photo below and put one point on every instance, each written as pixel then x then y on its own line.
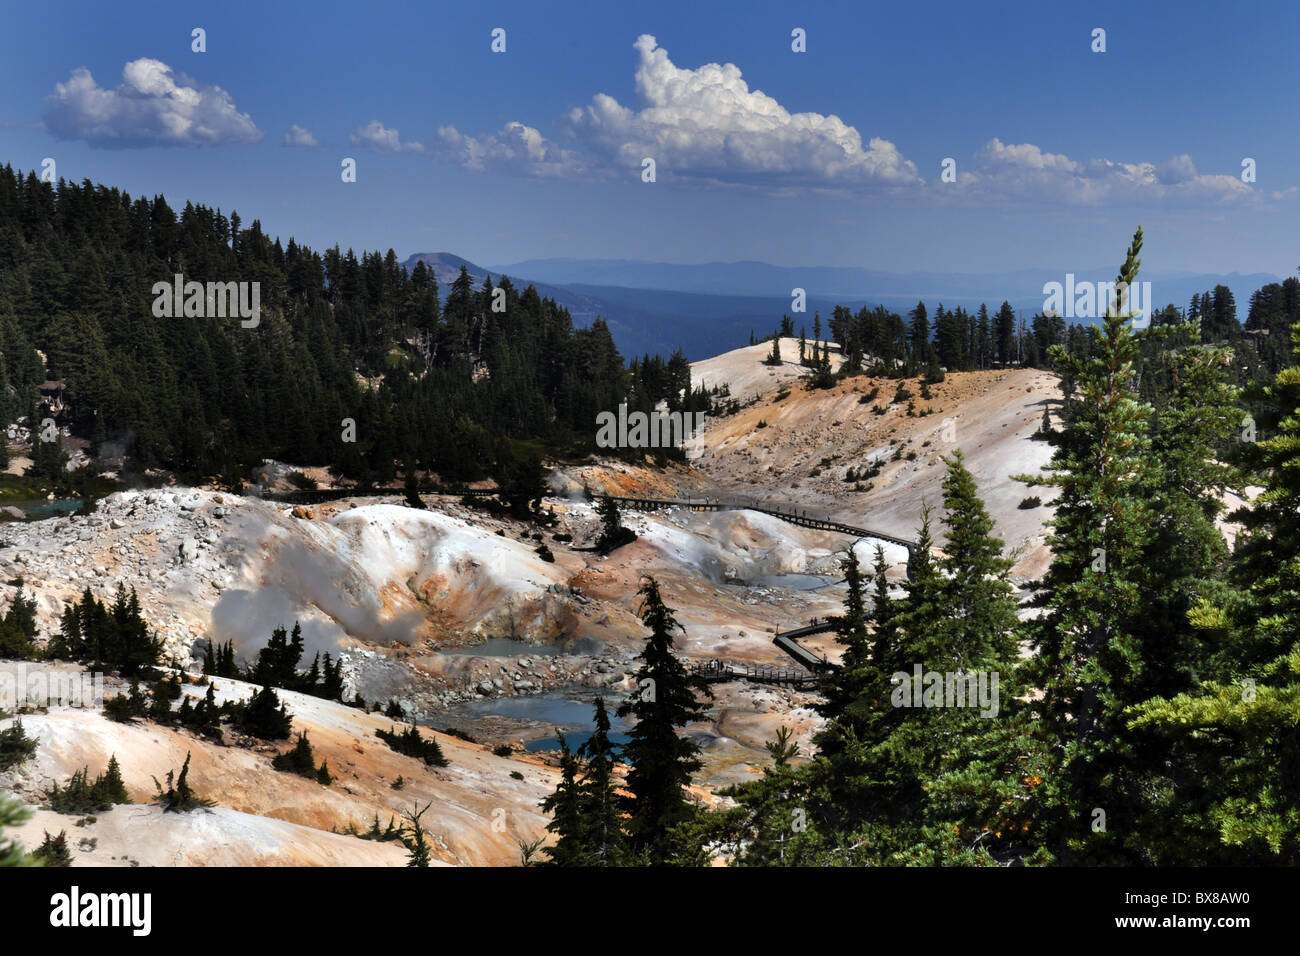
pixel 774 358
pixel 844 684
pixel 602 817
pixel 661 760
pixel 178 796
pixel 565 805
pixel 1005 328
pixel 299 760
pixel 1087 651
pixel 918 339
pixel 15 746
pixel 417 846
pixel 264 716
pixel 613 534
pixel 53 851
pixel 979 600
pixel 1235 736
pixel 111 785
pixel 766 826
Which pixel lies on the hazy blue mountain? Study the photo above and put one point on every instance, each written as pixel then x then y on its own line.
pixel 647 320
pixel 710 308
pixel 761 278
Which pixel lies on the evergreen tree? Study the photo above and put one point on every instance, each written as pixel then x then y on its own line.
pixel 766 826
pixel 1234 736
pixel 15 746
pixel 178 796
pixel 53 851
pixel 918 339
pixel 979 601
pixel 111 784
pixel 263 716
pixel 613 534
pixel 661 760
pixel 774 357
pixel 604 840
pixel 845 684
pixel 1005 330
pixel 567 822
pixel 1088 654
pixel 417 846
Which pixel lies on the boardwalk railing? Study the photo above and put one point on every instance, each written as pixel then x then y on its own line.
pixel 720 671
pixel 808 674
pixel 801 518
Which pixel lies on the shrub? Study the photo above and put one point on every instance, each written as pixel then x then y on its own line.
pixel 15 745
pixel 302 761
pixel 302 482
pixel 384 834
pixel 179 797
pixel 459 734
pixel 81 796
pixel 263 716
pixel 54 851
pixel 1033 501
pixel 413 744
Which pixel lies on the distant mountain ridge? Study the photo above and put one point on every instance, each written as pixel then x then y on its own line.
pixel 707 309
pixel 762 278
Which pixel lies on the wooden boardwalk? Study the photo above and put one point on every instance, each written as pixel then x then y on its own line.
pixel 808 675
pixel 797 517
pixel 717 671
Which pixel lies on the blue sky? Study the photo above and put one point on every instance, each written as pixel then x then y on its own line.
pixel 828 157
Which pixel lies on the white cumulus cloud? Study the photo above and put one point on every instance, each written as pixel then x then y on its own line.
pixel 300 137
pixel 1024 171
pixel 154 105
pixel 375 135
pixel 516 149
pixel 708 124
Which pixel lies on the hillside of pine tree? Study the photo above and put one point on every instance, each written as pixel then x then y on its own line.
pixel 434 379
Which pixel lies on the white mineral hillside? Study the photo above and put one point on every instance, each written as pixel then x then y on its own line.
pixel 379 576
pixel 796 446
pixel 478 813
pixel 220 566
pixel 746 375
